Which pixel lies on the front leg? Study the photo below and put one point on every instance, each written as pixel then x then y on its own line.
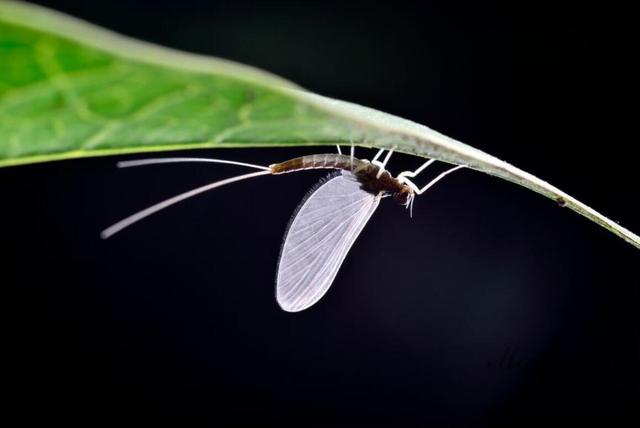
pixel 403 179
pixel 402 175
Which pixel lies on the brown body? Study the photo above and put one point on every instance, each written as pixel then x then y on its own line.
pixel 364 171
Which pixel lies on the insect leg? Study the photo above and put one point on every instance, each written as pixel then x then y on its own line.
pixel 375 158
pixel 402 176
pixel 432 182
pixel 352 151
pixel 382 164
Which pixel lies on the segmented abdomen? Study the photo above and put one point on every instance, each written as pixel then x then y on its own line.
pixel 321 161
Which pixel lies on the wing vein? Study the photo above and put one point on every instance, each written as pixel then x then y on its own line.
pixel 325 227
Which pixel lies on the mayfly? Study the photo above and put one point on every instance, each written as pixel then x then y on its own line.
pixel 327 221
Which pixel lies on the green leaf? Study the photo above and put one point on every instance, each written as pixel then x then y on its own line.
pixel 69 89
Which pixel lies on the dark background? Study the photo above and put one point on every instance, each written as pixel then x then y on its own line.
pixel 491 307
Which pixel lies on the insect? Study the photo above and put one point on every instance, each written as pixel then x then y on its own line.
pixel 327 221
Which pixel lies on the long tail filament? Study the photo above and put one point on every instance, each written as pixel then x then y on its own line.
pixel 134 218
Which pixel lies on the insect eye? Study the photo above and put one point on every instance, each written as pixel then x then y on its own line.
pixel 401 197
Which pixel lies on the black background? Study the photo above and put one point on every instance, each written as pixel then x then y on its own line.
pixel 491 307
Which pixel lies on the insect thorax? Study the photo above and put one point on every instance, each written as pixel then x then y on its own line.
pixel 367 174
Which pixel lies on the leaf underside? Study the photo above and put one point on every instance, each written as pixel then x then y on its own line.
pixel 69 89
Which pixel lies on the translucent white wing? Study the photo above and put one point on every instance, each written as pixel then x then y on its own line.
pixel 318 239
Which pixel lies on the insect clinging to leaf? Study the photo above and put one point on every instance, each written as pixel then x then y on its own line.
pixel 327 221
